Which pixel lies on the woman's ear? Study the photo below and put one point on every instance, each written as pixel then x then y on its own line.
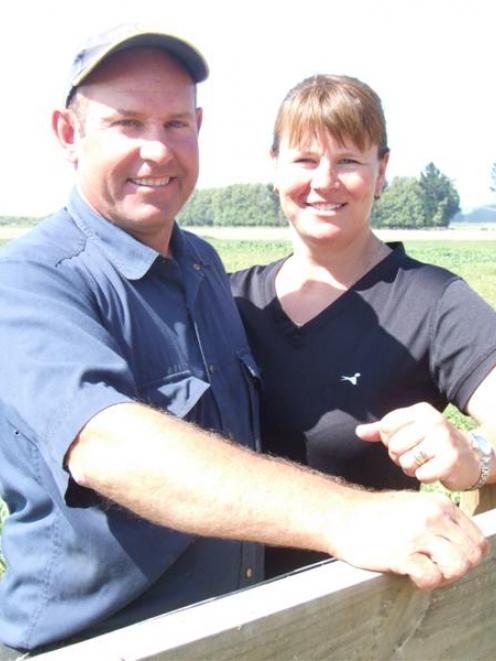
pixel 381 175
pixel 65 127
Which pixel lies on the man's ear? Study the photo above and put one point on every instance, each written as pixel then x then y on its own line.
pixel 199 118
pixel 65 127
pixel 275 171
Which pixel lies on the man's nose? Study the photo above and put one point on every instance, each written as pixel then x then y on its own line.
pixel 155 147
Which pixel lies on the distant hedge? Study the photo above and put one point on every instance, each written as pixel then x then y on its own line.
pixel 19 221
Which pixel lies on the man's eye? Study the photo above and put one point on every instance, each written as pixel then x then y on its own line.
pixel 177 124
pixel 348 161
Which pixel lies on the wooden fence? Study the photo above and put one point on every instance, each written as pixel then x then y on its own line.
pixel 329 611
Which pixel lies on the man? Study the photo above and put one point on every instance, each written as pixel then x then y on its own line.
pixel 128 398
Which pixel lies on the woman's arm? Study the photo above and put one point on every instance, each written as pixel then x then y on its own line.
pixel 426 445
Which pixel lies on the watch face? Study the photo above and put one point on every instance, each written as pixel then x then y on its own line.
pixel 481 445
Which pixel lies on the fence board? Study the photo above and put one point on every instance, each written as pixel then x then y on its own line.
pixel 331 611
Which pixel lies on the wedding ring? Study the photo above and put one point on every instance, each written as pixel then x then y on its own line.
pixel 420 457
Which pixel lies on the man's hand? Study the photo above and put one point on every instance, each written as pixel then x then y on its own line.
pixel 421 535
pixel 426 445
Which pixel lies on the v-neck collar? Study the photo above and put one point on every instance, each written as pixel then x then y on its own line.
pixel 289 327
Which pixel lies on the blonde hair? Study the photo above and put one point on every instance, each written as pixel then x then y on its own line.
pixel 344 106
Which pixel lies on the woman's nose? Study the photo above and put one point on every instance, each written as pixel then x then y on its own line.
pixel 324 176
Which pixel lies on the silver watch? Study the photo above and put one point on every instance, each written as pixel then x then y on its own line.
pixel 485 451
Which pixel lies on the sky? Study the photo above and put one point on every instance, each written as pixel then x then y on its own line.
pixel 432 62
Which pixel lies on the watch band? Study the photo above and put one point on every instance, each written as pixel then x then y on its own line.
pixel 485 451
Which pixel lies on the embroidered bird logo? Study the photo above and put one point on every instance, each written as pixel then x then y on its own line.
pixel 352 379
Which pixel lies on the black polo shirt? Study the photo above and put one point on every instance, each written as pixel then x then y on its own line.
pixel 405 332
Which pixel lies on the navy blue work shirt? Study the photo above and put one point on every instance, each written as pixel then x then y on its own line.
pixel 90 318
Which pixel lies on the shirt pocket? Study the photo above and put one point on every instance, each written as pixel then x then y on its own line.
pixel 176 393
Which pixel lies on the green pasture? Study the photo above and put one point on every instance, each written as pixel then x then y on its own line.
pixel 475 261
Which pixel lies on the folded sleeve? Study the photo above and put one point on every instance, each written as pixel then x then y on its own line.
pixel 59 365
pixel 463 342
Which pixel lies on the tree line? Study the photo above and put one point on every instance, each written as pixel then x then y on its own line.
pixel 19 221
pixel 430 200
pixel 237 204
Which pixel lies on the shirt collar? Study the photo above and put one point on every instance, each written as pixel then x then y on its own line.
pixel 132 258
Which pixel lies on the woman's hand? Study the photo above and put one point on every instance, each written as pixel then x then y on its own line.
pixel 427 446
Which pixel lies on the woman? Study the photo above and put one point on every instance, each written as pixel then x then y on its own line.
pixel 348 328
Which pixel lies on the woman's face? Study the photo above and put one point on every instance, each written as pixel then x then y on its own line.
pixel 327 187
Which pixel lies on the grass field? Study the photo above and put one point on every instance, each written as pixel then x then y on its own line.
pixel 473 259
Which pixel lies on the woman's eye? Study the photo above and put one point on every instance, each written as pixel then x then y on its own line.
pixel 127 123
pixel 349 161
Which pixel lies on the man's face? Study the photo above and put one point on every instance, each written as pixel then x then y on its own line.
pixel 136 142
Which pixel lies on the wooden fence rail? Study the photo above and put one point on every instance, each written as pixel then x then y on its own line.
pixel 330 611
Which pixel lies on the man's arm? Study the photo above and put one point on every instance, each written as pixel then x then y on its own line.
pixel 179 476
pixel 425 444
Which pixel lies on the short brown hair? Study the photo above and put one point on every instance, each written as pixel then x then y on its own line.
pixel 344 106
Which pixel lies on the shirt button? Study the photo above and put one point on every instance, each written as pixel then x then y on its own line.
pixel 249 572
pixel 197 267
pixel 211 369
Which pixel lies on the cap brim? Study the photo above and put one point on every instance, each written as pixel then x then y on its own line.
pixel 187 54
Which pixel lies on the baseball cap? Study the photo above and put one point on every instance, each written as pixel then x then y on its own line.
pixel 96 49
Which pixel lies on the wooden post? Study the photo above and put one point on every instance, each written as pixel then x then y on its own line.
pixel 331 611
pixel 476 502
